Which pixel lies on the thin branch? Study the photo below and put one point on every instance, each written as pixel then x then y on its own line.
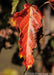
pixel 24 72
pixel 48 34
pixel 44 4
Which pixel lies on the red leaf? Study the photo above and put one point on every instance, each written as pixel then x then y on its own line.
pixel 29 20
pixel 51 0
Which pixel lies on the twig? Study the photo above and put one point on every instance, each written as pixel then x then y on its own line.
pixel 44 4
pixel 24 72
pixel 48 34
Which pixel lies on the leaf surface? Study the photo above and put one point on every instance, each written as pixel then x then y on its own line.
pixel 29 22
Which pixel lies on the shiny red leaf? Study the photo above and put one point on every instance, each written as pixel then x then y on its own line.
pixel 29 22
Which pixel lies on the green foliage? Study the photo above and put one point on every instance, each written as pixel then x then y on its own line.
pixel 52 44
pixel 52 41
pixel 31 1
pixel 14 5
pixel 22 2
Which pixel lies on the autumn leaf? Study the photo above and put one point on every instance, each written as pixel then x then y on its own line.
pixel 29 22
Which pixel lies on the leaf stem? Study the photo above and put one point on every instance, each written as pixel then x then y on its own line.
pixel 24 72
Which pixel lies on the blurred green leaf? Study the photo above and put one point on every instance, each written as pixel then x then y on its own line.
pixel 52 41
pixel 14 5
pixel 52 44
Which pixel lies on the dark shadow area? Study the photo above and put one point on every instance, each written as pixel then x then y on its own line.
pixel 48 51
pixel 2 42
pixel 16 59
pixel 7 39
pixel 47 55
pixel 39 36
